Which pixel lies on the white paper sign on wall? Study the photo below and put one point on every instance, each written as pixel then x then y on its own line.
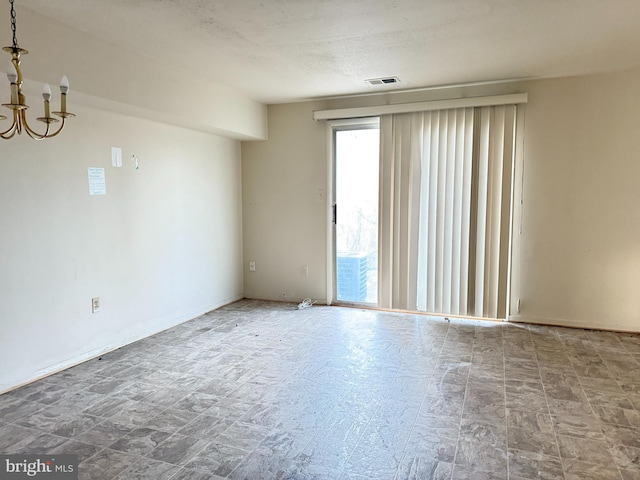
pixel 97 181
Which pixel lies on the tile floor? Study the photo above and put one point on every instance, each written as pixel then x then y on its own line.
pixel 262 390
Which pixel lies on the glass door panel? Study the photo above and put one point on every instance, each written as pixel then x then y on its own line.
pixel 357 154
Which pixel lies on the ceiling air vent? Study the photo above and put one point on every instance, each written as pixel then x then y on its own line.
pixel 374 82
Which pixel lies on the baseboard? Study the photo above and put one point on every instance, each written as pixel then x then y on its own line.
pixel 287 300
pixel 611 326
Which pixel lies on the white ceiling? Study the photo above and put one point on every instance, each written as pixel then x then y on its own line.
pixel 285 50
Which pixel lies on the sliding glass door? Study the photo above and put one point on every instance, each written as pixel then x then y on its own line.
pixel 422 212
pixel 356 167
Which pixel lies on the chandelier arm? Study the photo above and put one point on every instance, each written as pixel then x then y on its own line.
pixel 11 131
pixel 6 135
pixel 35 135
pixel 41 136
pixel 32 133
pixel 57 131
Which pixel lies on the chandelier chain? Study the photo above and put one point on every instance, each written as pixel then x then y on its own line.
pixel 13 25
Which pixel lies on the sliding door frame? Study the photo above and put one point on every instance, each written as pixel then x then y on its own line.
pixel 333 127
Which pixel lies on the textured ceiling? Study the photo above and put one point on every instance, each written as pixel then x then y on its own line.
pixel 286 50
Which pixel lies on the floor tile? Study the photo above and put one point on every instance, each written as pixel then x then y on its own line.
pixel 609 399
pixel 105 465
pixel 584 450
pixel 533 442
pixel 105 407
pixel 196 402
pixel 265 415
pixel 327 452
pixel 583 426
pixel 170 420
pixel 616 435
pixel 84 451
pixel 140 441
pixel 522 370
pixel 178 449
pixel 79 400
pixel 136 391
pixel 526 395
pixel 280 442
pixel 217 460
pixel 531 421
pixel 429 446
pixel 206 427
pixel 104 433
pixel 524 464
pixel 186 474
pixel 12 408
pixel 443 427
pixel 480 472
pixel 109 386
pixel 579 470
pixel 262 466
pixel 442 405
pixel 134 413
pixel 147 469
pixel 482 446
pixel 165 397
pixel 60 421
pixel 419 468
pixel 35 442
pixel 568 408
pixel 619 416
pixel 628 461
pixel 42 392
pixel 243 435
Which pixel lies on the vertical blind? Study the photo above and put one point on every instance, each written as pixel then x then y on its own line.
pixel 445 201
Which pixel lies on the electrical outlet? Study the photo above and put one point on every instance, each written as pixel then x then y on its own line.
pixel 252 266
pixel 95 305
pixel 518 307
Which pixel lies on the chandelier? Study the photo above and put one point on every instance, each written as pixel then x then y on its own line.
pixel 18 104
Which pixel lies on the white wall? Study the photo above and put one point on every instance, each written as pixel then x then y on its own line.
pixel 580 259
pixel 284 207
pixel 579 256
pixel 163 246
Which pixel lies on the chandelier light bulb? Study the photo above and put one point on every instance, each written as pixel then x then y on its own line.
pixel 64 85
pixel 46 92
